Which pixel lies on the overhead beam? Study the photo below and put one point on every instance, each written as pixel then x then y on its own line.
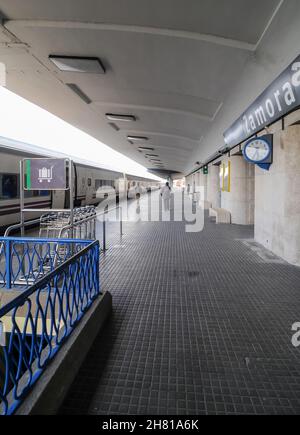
pixel 172 33
pixel 269 23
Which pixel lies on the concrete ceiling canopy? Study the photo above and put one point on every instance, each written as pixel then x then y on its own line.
pixel 168 66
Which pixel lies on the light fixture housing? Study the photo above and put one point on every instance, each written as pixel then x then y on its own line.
pixel 120 118
pixel 77 64
pixel 137 138
pixel 146 149
pixel 151 155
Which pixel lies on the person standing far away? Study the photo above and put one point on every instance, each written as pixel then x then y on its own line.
pixel 138 193
pixel 165 193
pixel 188 189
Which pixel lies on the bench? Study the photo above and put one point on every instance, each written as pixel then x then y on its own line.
pixel 222 216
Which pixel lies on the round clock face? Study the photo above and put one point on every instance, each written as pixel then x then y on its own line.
pixel 257 150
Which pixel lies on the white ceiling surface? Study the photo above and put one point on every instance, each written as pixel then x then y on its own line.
pixel 172 63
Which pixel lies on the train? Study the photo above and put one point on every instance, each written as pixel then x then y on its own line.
pixel 88 181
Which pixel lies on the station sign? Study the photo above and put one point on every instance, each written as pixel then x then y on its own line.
pixel 279 99
pixel 45 174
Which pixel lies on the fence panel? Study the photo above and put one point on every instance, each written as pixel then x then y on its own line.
pixel 34 325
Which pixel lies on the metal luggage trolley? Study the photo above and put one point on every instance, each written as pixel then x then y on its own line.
pixel 84 225
pixel 59 226
pixel 50 226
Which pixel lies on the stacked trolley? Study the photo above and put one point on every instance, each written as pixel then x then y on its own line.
pixel 59 225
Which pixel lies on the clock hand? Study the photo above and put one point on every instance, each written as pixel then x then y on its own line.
pixel 256 155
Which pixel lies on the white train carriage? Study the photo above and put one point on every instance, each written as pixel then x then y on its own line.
pixel 90 185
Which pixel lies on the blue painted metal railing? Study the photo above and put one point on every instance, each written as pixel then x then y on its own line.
pixel 34 325
pixel 23 261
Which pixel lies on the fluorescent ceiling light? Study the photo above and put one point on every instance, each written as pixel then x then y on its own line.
pixel 145 149
pixel 120 118
pixel 90 65
pixel 151 155
pixel 137 138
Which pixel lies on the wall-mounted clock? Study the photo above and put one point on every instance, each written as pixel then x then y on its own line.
pixel 260 151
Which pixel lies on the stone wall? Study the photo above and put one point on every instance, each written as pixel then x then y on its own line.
pixel 277 199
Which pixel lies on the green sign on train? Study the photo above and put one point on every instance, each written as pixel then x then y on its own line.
pixel 45 174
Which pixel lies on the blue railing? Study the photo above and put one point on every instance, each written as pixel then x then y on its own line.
pixel 24 261
pixel 36 322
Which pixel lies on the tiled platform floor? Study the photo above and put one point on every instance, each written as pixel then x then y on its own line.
pixel 201 325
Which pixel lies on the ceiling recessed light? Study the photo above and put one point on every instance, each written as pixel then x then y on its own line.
pixel 120 118
pixel 90 65
pixel 145 149
pixel 137 138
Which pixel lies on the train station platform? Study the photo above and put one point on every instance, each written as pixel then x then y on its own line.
pixel 201 325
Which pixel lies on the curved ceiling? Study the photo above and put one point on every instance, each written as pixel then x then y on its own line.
pixel 170 63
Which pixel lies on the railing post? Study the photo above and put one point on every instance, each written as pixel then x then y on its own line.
pixel 98 285
pixel 93 225
pixel 8 264
pixel 104 233
pixel 121 221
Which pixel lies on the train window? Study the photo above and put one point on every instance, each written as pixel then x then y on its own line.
pixel 44 193
pixel 10 188
pixel 35 193
pixel 9 184
pixel 104 183
pixel 89 182
pixel 98 184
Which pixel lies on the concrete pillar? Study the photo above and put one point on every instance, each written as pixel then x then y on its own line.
pixel 240 200
pixel 201 190
pixel 277 200
pixel 213 186
pixel 203 184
